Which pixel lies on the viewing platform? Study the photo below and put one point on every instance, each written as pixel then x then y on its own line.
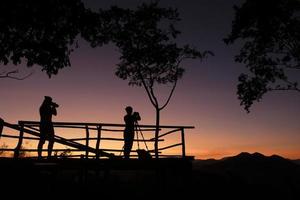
pixel 97 140
pixel 91 162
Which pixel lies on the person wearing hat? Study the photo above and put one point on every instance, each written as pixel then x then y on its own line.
pixel 47 109
pixel 130 118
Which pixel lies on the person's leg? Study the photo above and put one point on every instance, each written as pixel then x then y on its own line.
pixel 43 134
pixel 129 143
pixel 50 145
pixel 40 147
pixel 126 149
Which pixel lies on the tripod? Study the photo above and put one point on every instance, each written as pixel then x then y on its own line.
pixel 138 130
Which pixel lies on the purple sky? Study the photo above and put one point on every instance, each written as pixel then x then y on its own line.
pixel 206 98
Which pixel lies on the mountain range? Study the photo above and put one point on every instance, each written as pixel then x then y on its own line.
pixel 247 176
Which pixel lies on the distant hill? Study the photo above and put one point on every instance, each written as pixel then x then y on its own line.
pixel 249 176
pixel 296 161
pixel 246 159
pixel 198 163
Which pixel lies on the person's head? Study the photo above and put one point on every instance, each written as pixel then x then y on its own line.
pixel 48 99
pixel 129 110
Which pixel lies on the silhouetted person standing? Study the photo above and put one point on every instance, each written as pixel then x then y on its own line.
pixel 47 109
pixel 130 119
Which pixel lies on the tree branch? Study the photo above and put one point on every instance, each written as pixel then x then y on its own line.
pixel 9 75
pixel 293 67
pixel 291 86
pixel 146 88
pixel 284 89
pixel 169 98
pixel 174 86
pixel 153 95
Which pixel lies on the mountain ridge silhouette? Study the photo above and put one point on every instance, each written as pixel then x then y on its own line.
pixel 248 176
pixel 248 156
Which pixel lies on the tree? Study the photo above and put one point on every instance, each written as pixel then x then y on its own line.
pixel 149 53
pixel 270 31
pixel 41 32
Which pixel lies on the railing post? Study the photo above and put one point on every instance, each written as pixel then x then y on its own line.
pixel 98 141
pixel 87 141
pixel 183 142
pixel 19 145
pixel 1 126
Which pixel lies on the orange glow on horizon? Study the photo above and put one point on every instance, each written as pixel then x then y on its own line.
pixel 205 152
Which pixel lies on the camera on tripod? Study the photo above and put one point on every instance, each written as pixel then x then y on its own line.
pixel 136 116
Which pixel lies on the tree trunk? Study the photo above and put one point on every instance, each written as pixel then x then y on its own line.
pixel 156 131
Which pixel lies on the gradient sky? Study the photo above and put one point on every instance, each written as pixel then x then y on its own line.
pixel 206 98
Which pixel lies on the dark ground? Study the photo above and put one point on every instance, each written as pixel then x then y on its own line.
pixel 245 176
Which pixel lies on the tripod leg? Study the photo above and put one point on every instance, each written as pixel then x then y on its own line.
pixel 143 138
pixel 137 137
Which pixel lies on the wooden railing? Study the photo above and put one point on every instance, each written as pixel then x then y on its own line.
pixel 84 144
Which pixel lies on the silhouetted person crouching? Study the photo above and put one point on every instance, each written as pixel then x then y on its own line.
pixel 47 109
pixel 130 119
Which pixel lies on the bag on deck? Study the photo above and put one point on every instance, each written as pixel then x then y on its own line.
pixel 143 154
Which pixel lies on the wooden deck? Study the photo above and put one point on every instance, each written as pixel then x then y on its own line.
pixel 102 164
pixel 94 173
pixel 91 178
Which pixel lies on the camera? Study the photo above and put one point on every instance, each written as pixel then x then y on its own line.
pixel 55 105
pixel 136 116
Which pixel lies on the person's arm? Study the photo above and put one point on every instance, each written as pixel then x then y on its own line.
pixel 126 119
pixel 54 112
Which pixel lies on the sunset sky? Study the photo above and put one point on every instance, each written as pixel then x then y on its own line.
pixel 205 97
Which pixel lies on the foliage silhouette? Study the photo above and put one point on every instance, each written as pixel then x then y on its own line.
pixel 149 54
pixel 63 154
pixel 22 152
pixel 3 146
pixel 270 30
pixel 41 32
